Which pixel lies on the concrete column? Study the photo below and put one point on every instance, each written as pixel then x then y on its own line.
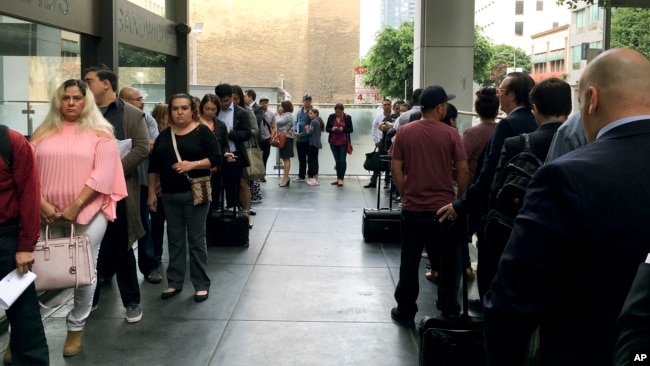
pixel 444 48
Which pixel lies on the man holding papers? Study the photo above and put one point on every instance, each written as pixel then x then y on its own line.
pixel 19 230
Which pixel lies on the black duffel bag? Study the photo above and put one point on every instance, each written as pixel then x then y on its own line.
pixel 373 161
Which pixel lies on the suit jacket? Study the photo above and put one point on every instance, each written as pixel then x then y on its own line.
pixel 573 252
pixel 517 122
pixel 540 140
pixel 634 321
pixel 241 132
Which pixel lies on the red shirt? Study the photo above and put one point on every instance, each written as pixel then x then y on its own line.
pixel 20 192
pixel 428 150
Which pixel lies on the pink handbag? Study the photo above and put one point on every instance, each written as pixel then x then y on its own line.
pixel 63 262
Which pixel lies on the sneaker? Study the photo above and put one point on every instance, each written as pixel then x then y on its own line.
pixel 298 179
pixel 154 277
pixel 402 320
pixel 313 182
pixel 263 180
pixel 133 313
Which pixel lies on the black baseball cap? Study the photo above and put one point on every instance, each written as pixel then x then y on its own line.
pixel 434 95
pixel 306 96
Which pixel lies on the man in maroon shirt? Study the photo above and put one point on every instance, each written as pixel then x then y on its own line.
pixel 20 197
pixel 423 155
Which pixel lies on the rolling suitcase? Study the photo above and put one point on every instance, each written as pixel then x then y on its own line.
pixel 227 228
pixel 381 224
pixel 453 340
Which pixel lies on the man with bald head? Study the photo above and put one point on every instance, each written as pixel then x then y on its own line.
pixel 147 263
pixel 582 231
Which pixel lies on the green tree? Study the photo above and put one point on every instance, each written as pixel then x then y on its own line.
pixel 136 57
pixel 482 56
pixel 630 29
pixel 572 4
pixel 504 56
pixel 390 61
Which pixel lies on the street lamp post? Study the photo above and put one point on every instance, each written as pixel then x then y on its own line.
pixel 198 29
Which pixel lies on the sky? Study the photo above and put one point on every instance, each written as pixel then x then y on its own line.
pixel 369 24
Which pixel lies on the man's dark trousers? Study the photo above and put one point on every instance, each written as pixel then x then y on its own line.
pixel 421 229
pixel 27 340
pixel 146 259
pixel 119 253
pixel 302 148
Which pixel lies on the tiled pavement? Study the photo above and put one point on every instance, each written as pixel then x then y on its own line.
pixel 308 291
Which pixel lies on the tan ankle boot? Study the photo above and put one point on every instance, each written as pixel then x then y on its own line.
pixel 72 343
pixel 7 357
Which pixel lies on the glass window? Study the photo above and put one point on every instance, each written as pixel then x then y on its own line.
pixel 34 60
pixel 519 7
pixel 540 5
pixel 580 18
pixel 154 6
pixel 576 55
pixel 594 14
pixel 519 28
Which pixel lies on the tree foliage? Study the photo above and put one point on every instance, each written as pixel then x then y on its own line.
pixel 129 56
pixel 390 61
pixel 572 4
pixel 630 29
pixel 482 55
pixel 503 56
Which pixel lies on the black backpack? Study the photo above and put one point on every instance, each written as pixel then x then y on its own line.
pixel 5 147
pixel 510 190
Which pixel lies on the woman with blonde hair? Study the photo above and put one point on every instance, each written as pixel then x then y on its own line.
pixel 77 157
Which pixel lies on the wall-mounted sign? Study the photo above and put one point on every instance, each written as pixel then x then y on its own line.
pixel 138 27
pixel 73 15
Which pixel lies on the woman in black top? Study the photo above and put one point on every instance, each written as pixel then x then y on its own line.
pixel 199 151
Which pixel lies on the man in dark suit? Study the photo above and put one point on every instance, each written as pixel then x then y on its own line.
pixel 239 131
pixel 514 99
pixel 582 231
pixel 634 321
pixel 551 100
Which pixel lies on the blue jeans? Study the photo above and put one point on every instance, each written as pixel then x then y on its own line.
pixel 340 152
pixel 27 339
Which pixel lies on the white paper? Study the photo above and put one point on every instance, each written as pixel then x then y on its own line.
pixel 13 285
pixel 124 146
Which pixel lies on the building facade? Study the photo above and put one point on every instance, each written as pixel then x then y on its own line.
pixel 300 46
pixel 395 12
pixel 549 57
pixel 47 42
pixel 513 22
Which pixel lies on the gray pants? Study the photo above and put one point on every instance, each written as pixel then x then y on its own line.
pixel 186 227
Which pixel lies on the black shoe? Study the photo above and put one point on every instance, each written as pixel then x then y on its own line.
pixel 154 277
pixel 169 295
pixel 475 305
pixel 370 185
pixel 263 180
pixel 201 298
pixel 252 212
pixel 449 312
pixel 402 320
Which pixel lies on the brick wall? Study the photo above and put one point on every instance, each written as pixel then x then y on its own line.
pixel 314 44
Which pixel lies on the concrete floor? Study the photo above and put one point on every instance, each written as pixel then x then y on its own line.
pixel 308 291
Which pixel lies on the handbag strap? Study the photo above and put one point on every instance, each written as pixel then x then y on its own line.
pixel 178 156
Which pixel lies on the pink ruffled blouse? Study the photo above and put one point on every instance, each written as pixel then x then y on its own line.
pixel 71 159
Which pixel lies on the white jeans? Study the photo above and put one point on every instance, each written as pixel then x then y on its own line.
pixel 83 296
